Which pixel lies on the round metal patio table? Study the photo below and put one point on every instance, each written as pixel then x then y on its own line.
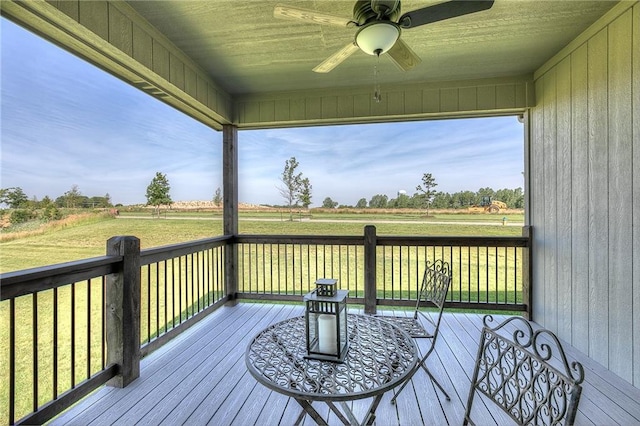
pixel 380 357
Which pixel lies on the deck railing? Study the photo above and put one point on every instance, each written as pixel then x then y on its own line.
pixel 75 326
pixel 69 328
pixel 488 272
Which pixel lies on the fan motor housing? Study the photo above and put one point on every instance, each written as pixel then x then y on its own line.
pixel 363 12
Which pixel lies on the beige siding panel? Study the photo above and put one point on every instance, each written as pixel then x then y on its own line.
pixel 563 196
pixel 94 16
pixel 345 106
pixel 160 60
pixel 329 107
pixel 620 197
pixel 487 97
pixel 252 111
pixel 215 101
pixel 431 100
pixel 579 202
pixel 361 105
pixel 549 170
pixel 468 99
pixel 536 185
pixel 379 108
pixel 506 96
pixel 298 109
pixel 142 47
pixel 267 111
pixel 525 94
pixel 635 51
pixel 202 89
pixel 120 31
pixel 395 103
pixel 191 82
pixel 597 132
pixel 413 102
pixel 313 108
pixel 598 200
pixel 282 112
pixel 176 71
pixel 69 8
pixel 428 101
pixel 449 100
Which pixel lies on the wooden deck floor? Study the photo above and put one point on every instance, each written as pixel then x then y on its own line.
pixel 200 378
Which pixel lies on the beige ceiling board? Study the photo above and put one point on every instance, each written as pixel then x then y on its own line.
pixel 247 50
pixel 234 62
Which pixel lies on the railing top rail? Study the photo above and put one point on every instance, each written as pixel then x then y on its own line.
pixel 19 283
pixel 388 240
pixel 404 240
pixel 300 239
pixel 158 254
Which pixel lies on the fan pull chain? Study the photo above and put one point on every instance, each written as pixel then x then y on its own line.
pixel 377 95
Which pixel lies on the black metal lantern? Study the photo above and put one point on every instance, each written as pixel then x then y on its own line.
pixel 326 321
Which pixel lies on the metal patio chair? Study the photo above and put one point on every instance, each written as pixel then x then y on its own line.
pixel 434 288
pixel 526 375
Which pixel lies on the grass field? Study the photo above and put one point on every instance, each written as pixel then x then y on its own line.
pixel 87 238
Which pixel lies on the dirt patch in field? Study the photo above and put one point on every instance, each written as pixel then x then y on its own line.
pixel 211 206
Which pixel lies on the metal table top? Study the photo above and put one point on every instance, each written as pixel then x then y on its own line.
pixel 380 357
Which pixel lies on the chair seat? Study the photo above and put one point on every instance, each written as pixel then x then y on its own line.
pixel 410 325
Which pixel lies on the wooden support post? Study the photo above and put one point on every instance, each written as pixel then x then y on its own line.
pixel 370 293
pixel 527 277
pixel 230 208
pixel 123 311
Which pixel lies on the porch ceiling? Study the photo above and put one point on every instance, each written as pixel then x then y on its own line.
pixel 245 50
pixel 233 62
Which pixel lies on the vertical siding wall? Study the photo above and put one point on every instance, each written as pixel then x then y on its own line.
pixel 585 192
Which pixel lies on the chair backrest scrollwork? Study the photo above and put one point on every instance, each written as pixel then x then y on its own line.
pixel 435 282
pixel 434 288
pixel 527 374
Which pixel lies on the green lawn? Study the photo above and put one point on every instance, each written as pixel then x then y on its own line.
pixel 89 239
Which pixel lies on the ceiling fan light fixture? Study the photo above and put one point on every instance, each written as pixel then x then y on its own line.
pixel 377 37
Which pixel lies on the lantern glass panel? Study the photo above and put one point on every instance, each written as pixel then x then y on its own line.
pixel 326 325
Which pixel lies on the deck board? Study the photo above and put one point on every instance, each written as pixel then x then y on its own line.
pixel 200 378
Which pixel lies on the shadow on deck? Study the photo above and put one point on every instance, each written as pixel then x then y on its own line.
pixel 200 378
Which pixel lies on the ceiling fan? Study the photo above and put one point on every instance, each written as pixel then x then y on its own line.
pixel 379 24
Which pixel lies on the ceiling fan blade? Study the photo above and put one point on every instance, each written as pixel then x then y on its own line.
pixel 442 11
pixel 403 56
pixel 292 12
pixel 337 58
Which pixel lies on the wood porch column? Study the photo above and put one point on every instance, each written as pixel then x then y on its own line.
pixel 527 273
pixel 230 207
pixel 123 311
pixel 370 296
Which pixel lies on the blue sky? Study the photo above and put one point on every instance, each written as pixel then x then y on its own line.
pixel 64 122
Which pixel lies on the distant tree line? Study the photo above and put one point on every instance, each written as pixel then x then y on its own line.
pixel 25 208
pixel 15 198
pixel 513 198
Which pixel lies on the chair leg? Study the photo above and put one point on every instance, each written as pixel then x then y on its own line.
pixel 433 379
pixel 406 382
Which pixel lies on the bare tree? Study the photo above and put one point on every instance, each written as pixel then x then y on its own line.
pixel 426 189
pixel 291 184
pixel 217 197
